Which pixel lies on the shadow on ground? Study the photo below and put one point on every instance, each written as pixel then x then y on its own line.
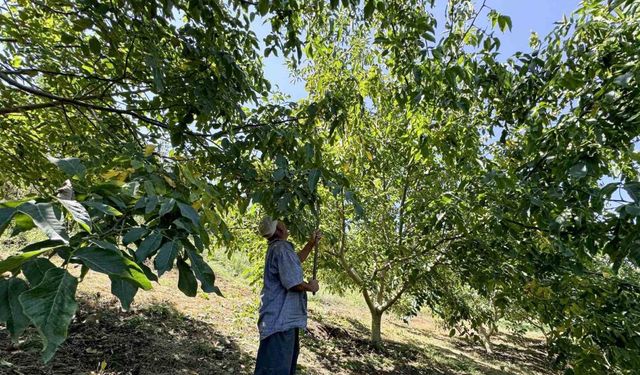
pixel 155 340
pixel 530 354
pixel 341 350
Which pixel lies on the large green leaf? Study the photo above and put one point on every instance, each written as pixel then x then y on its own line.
pixel 112 263
pixel 45 217
pixel 106 209
pixel 6 214
pixel 152 203
pixel 133 235
pixel 190 213
pixel 124 290
pixel 633 189
pixel 203 272
pixel 186 281
pixel 16 203
pixel 148 246
pixel 79 213
pixel 166 206
pixel 17 321
pixel 51 306
pixel 70 166
pixel 35 269
pixel 42 245
pixel 15 261
pixel 147 271
pixel 314 176
pixel 106 245
pixel 167 256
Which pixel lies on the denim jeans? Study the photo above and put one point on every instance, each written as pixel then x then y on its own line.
pixel 278 353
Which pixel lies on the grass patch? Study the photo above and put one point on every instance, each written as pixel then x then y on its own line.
pixel 169 333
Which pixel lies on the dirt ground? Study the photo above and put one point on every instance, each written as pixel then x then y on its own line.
pixel 169 333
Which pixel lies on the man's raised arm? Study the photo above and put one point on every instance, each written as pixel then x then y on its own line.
pixel 306 250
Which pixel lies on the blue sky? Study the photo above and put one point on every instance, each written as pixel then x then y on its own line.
pixel 527 16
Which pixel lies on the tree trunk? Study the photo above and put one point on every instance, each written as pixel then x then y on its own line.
pixel 485 336
pixel 376 325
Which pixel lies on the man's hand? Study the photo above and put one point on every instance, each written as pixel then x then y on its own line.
pixel 316 236
pixel 313 286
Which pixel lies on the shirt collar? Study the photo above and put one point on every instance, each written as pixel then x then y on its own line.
pixel 276 240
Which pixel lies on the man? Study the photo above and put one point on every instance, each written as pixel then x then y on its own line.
pixel 283 305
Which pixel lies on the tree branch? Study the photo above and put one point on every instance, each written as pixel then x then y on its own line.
pixel 395 298
pixel 79 103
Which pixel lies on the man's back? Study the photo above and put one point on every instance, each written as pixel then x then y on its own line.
pixel 281 308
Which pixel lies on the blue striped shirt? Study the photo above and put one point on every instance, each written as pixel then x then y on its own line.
pixel 280 308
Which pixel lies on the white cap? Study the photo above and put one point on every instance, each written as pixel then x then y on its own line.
pixel 267 227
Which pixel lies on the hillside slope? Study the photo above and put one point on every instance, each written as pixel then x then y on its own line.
pixel 169 333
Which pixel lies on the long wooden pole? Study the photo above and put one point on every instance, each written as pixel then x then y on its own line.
pixel 315 245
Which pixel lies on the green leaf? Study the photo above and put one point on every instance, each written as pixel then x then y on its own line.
pixel 578 171
pixel 6 214
pixel 263 7
pixel 67 38
pixel 632 209
pixel 106 209
pixel 106 245
pixel 167 256
pixel 186 281
pixel 79 213
pixel 5 310
pixel 633 189
pixel 369 7
pixel 44 216
pixel 22 223
pixel 84 270
pixel 624 80
pixel 124 290
pixel 182 225
pixel 504 22
pixel 134 235
pixel 81 24
pixel 35 269
pixel 204 237
pixel 190 213
pixel 15 203
pixel 279 174
pixel 141 203
pixel 203 272
pixel 314 176
pixel 147 271
pixel 166 206
pixel 508 22
pixel 17 321
pixel 308 151
pixel 148 246
pixel 42 245
pixel 95 45
pixel 152 202
pixel 15 261
pixel 51 306
pixel 113 263
pixel 70 166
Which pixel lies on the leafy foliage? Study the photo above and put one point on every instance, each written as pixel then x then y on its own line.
pixel 107 246
pixel 446 177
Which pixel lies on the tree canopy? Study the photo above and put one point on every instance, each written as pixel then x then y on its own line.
pixel 446 176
